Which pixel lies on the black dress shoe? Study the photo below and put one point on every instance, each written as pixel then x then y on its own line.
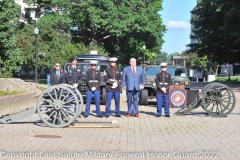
pixel 107 116
pixel 117 115
pixel 167 116
pixel 85 116
pixel 158 115
pixel 100 116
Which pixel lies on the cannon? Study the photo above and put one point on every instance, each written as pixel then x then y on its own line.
pixel 57 106
pixel 218 100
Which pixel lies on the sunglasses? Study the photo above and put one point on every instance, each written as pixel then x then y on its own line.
pixel 57 65
pixel 113 62
pixel 93 64
pixel 163 66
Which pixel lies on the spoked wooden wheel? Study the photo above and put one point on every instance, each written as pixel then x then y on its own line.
pixel 204 89
pixel 79 96
pixel 56 106
pixel 218 100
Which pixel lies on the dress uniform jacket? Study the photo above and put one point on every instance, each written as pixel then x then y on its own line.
pixel 163 79
pixel 74 75
pixel 54 79
pixel 93 79
pixel 113 73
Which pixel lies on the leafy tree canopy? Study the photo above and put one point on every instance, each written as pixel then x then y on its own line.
pixel 216 30
pixel 10 56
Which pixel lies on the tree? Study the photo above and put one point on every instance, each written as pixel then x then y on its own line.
pixel 120 26
pixel 216 30
pixel 54 43
pixel 10 56
pixel 162 57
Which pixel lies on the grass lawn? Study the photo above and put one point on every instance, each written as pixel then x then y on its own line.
pixel 232 79
pixel 9 92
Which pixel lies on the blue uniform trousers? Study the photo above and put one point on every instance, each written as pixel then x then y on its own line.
pixel 132 99
pixel 160 99
pixel 116 96
pixel 96 94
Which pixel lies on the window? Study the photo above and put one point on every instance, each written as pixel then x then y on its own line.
pixel 27 13
pixel 37 13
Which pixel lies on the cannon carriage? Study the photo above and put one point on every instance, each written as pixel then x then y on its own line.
pixel 218 100
pixel 57 106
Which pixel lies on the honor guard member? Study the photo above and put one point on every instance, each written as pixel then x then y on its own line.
pixel 74 74
pixel 113 77
pixel 93 80
pixel 163 81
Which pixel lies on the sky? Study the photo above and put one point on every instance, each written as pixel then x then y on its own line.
pixel 176 16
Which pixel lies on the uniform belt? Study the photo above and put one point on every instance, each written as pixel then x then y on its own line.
pixel 93 81
pixel 163 83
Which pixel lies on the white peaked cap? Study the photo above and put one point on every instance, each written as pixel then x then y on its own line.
pixel 113 59
pixel 163 64
pixel 93 62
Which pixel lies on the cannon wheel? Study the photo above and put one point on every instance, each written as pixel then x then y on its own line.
pixel 200 94
pixel 54 106
pixel 79 95
pixel 218 100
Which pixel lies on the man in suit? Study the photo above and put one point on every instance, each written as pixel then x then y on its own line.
pixel 57 76
pixel 93 80
pixel 163 81
pixel 133 80
pixel 113 78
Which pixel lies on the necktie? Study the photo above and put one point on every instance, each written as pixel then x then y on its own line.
pixel 134 73
pixel 58 75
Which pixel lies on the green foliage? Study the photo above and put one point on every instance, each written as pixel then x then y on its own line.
pixel 54 42
pixel 162 57
pixel 216 30
pixel 114 28
pixel 6 75
pixel 11 57
pixel 9 92
pixel 233 79
pixel 121 26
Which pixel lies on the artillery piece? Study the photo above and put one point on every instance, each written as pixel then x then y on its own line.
pixel 217 99
pixel 57 106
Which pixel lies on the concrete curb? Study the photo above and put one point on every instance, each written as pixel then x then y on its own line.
pixel 30 92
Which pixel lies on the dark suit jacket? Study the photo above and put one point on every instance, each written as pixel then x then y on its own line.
pixel 54 79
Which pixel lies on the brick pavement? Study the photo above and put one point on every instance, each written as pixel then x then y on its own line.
pixel 146 137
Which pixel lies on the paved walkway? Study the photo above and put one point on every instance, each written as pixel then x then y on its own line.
pixel 180 137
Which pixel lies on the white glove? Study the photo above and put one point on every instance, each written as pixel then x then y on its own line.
pixel 75 85
pixel 93 88
pixel 114 85
pixel 164 89
pixel 141 86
